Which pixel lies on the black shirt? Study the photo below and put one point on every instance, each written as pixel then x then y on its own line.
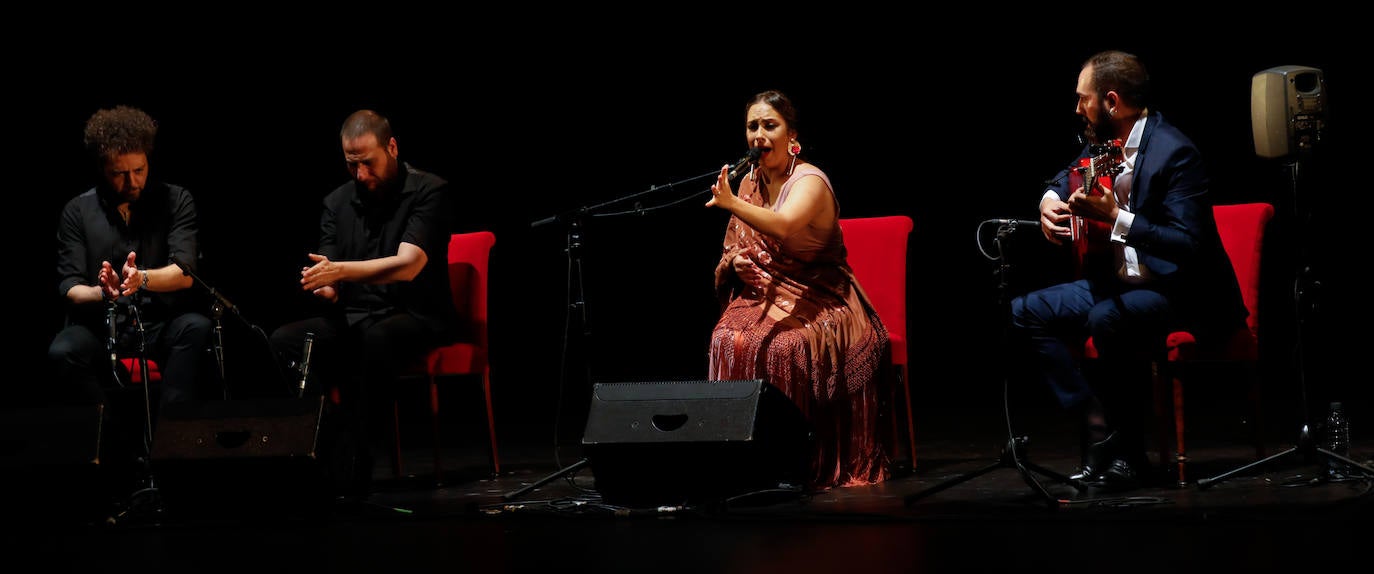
pixel 162 225
pixel 355 227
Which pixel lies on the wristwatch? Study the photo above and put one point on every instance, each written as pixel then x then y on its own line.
pixel 144 285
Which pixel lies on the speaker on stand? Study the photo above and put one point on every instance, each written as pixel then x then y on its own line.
pixel 1288 110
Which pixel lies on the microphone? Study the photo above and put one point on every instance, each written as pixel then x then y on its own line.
pixel 305 363
pixel 1015 222
pixel 750 158
pixel 114 334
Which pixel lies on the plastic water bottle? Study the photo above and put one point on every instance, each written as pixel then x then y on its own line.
pixel 1337 439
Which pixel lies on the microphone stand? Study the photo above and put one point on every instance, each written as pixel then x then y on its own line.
pixel 112 339
pixel 750 158
pixel 1304 289
pixel 577 294
pixel 146 500
pixel 1014 451
pixel 218 307
pixel 216 312
pixel 579 213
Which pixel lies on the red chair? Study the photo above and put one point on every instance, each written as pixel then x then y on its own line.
pixel 1242 229
pixel 877 249
pixel 468 256
pixel 136 374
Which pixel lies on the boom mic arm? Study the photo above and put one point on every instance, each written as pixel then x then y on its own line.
pixel 219 297
pixel 751 158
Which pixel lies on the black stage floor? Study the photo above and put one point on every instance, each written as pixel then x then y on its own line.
pixel 1279 516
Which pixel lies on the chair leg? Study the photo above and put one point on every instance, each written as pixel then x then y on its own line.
pixel 1180 456
pixel 1168 391
pixel 910 422
pixel 890 405
pixel 491 423
pixel 1257 413
pixel 1165 431
pixel 396 468
pixel 434 425
pixel 434 422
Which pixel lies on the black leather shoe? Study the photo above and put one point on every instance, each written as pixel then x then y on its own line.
pixel 1124 475
pixel 1096 459
pixel 1087 475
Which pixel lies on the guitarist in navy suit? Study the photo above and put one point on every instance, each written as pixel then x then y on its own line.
pixel 1153 263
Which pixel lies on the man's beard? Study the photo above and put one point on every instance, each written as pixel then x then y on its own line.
pixel 1099 132
pixel 1089 133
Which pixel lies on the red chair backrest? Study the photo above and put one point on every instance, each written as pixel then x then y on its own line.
pixel 1242 234
pixel 468 256
pixel 877 249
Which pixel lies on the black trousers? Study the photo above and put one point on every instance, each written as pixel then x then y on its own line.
pixel 361 359
pixel 80 357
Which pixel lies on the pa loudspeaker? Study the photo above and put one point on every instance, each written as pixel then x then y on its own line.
pixel 1287 110
pixel 235 456
pixel 657 443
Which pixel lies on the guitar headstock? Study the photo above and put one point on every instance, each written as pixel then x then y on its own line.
pixel 1106 157
pixel 1102 164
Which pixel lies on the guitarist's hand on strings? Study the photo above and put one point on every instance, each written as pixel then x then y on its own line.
pixel 1054 219
pixel 1099 205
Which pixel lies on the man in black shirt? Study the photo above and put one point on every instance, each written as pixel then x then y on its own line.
pixel 381 269
pixel 116 247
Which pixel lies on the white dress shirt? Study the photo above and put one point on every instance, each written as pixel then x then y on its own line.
pixel 1128 266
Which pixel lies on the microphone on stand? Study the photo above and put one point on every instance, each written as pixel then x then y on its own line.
pixel 114 333
pixel 749 159
pixel 305 363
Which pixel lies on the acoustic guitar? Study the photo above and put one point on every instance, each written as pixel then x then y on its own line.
pixel 1097 173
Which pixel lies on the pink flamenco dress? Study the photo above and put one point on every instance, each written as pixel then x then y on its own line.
pixel 810 331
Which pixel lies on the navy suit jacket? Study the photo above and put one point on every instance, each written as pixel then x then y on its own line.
pixel 1175 232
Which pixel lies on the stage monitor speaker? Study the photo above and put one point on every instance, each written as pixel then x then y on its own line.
pixel 231 456
pixel 672 443
pixel 1287 110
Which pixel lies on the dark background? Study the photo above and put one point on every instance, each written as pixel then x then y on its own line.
pixel 952 121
